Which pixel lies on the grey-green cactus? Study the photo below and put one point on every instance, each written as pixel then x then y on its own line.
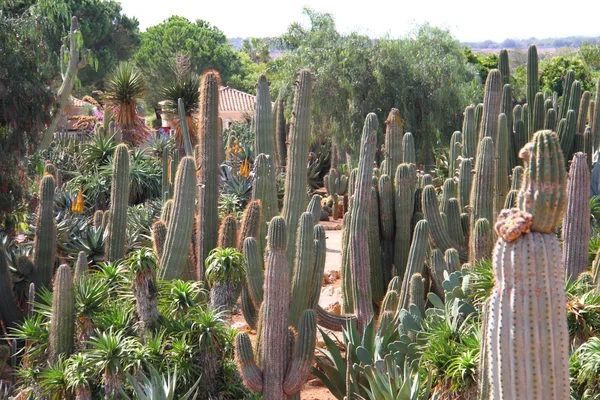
pixel 119 198
pixel 62 321
pixel 44 244
pixel 263 120
pixel 393 142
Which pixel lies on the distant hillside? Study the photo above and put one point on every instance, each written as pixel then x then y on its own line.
pixel 548 43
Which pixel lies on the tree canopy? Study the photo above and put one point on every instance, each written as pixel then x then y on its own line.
pixel 206 45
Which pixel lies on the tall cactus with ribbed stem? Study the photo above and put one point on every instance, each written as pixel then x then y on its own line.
pixel 492 104
pixel 377 276
pixel 539 113
pixel 576 227
pixel 209 138
pixel 523 312
pixel 582 115
pixel 181 225
pixel 263 119
pixel 280 134
pixel 507 109
pixel 596 117
pixel 482 193
pixel 404 186
pixel 469 133
pixel 44 244
pixel 387 224
pixel 416 259
pixel 532 85
pixel 62 321
pixel 281 374
pixel 416 292
pixel 566 133
pixel 265 190
pixel 9 308
pixel 504 66
pixel 409 155
pixel 566 95
pixel 358 234
pixel 465 182
pixel 455 151
pixel 482 241
pixel 502 164
pixel 296 177
pixel 303 275
pixel 393 142
pixel 336 185
pixel 119 198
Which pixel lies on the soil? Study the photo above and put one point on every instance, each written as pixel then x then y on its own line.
pixel 330 295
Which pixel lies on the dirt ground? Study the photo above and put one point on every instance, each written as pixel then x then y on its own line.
pixel 330 294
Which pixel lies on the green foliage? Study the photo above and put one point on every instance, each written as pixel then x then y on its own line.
pixel 225 264
pixel 482 62
pixel 554 70
pixel 590 54
pixel 205 44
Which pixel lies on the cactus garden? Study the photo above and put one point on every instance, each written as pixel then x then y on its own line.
pixel 341 238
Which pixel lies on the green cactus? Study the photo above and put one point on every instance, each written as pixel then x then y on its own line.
pixel 502 164
pixel 575 98
pixel 504 66
pixel 507 109
pixel 449 191
pixel 387 225
pixel 532 85
pixel 44 244
pixel 228 234
pixel 404 186
pixel 539 113
pixel 119 198
pixel 187 142
pixel 251 223
pixel 566 95
pixel 409 155
pixel 482 193
pixel 478 118
pixel 455 229
pixel 511 199
pixel 280 134
pixel 567 131
pixel 9 309
pixel 209 138
pixel 393 142
pixel 81 268
pixel 469 133
pixel 465 182
pixel 264 189
pixel 582 115
pixel 492 104
pixel 263 119
pixel 595 117
pixel 416 259
pixel 165 173
pixel 526 311
pixel 416 292
pixel 279 376
pixel 315 207
pixel 455 151
pixel 481 241
pixel 62 321
pixel 336 185
pixel 294 199
pixel 519 138
pixel 179 230
pixel 159 235
pixel 576 227
pixel 550 121
pixel 375 250
pixel 97 220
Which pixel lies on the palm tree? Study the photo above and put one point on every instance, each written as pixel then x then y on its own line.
pixel 124 88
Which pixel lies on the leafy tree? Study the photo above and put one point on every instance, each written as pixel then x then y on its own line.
pixel 206 45
pixel 590 54
pixel 257 49
pixel 482 62
pixel 555 69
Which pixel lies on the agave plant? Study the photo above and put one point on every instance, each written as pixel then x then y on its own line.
pixel 125 86
pixel 225 272
pixel 157 386
pixel 98 151
pixel 186 89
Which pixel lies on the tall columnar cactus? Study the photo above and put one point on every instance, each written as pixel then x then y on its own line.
pixel 159 236
pixel 492 104
pixel 519 138
pixel 504 66
pixel 482 193
pixel 281 374
pixel 265 190
pixel 296 177
pixel 566 134
pixel 9 308
pixel 596 117
pixel 416 292
pixel 576 228
pixel 404 186
pixel 566 95
pixel 478 118
pixel 44 244
pixel 502 165
pixel 358 235
pixel 185 132
pixel 280 134
pixel 263 120
pixel 62 321
pixel 393 142
pixel 81 268
pixel 532 84
pixel 455 229
pixel 469 133
pixel 516 178
pixel 582 115
pixel 375 250
pixel 550 121
pixel 575 98
pixel 181 225
pixel 449 191
pixel 522 311
pixel 455 151
pixel 416 259
pixel 539 113
pixel 409 155
pixel 303 272
pixel 209 138
pixel 387 224
pixel 119 198
pixel 336 185
pixel 507 109
pixel 465 182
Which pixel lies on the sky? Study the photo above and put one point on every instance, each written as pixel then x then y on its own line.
pixel 468 21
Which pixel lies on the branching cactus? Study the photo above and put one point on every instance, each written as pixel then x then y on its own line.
pixel 119 198
pixel 576 227
pixel 527 303
pixel 209 138
pixel 280 373
pixel 336 185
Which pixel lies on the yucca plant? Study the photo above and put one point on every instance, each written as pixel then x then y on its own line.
pixel 125 86
pixel 54 382
pixel 156 386
pixel 186 89
pixel 177 296
pixel 90 295
pixel 142 264
pixel 225 273
pixel 388 381
pixel 78 375
pixel 98 151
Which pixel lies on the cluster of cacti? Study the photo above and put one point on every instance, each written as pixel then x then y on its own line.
pixel 336 185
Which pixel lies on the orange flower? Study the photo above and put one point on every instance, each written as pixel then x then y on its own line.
pixel 245 168
pixel 77 206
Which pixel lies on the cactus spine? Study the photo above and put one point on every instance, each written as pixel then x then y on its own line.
pixel 208 190
pixel 296 178
pixel 44 245
pixel 576 228
pixel 62 321
pixel 263 119
pixel 179 229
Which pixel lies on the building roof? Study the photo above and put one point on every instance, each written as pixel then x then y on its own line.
pixel 234 100
pixel 73 101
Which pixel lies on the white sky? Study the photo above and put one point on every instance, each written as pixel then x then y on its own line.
pixel 467 20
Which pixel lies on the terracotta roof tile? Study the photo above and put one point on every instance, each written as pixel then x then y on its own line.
pixel 234 100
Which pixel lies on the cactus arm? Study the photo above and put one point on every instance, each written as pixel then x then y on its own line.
pixel 244 356
pixel 304 354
